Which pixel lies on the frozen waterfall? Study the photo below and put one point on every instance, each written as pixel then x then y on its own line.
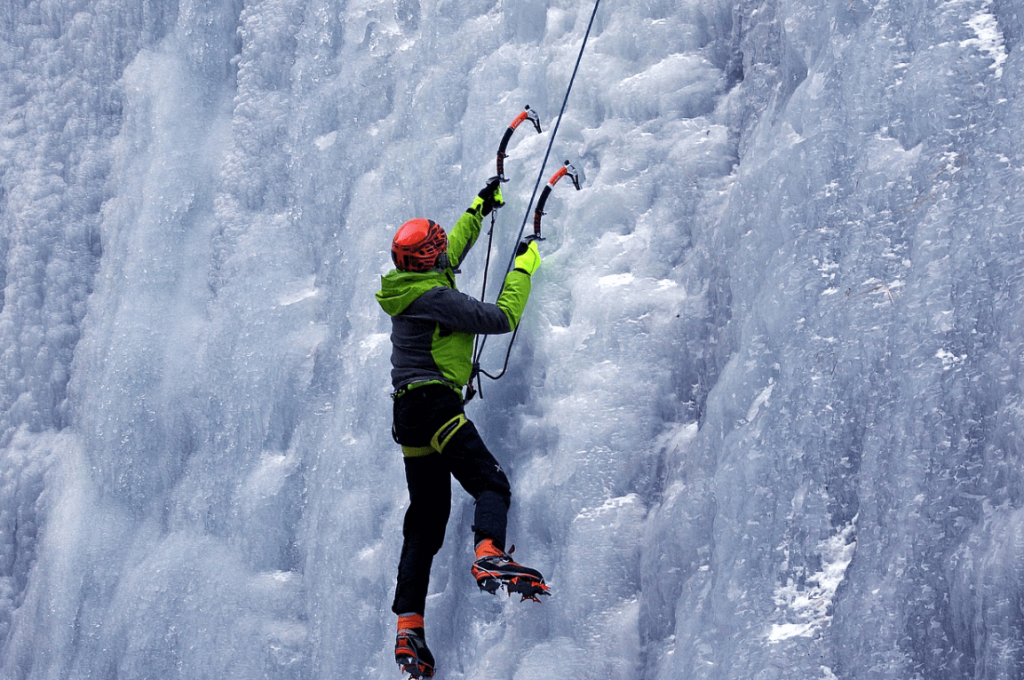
pixel 763 419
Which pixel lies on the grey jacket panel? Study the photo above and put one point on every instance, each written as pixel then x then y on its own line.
pixel 439 327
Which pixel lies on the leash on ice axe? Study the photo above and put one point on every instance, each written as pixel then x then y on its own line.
pixel 567 169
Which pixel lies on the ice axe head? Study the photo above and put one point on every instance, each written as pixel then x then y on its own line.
pixel 575 175
pixel 532 116
pixel 567 170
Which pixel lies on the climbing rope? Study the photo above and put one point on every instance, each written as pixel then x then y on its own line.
pixel 478 350
pixel 554 133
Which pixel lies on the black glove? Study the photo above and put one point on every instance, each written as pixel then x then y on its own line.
pixel 491 196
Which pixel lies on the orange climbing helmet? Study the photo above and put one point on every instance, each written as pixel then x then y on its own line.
pixel 417 245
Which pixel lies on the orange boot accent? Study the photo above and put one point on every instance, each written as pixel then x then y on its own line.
pixel 488 549
pixel 411 652
pixel 410 621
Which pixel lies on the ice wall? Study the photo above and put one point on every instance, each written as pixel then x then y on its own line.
pixel 762 419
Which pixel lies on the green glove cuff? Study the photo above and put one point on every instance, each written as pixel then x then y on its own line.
pixel 490 197
pixel 528 257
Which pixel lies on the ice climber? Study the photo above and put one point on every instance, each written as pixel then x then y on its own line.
pixel 433 326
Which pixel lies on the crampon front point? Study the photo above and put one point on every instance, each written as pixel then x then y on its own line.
pixel 496 570
pixel 528 588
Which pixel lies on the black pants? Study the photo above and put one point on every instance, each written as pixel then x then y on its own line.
pixel 417 417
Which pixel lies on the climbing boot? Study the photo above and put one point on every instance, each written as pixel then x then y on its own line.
pixel 494 569
pixel 411 652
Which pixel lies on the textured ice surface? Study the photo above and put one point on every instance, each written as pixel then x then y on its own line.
pixel 763 417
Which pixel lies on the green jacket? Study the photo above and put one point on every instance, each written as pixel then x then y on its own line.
pixel 433 324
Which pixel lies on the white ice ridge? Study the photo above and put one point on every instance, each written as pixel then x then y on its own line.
pixel 989 39
pixel 760 401
pixel 301 290
pixel 805 608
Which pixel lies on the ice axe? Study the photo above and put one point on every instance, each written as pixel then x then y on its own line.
pixel 527 114
pixel 567 170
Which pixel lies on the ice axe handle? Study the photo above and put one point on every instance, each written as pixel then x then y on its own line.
pixel 538 214
pixel 567 170
pixel 501 152
pixel 527 114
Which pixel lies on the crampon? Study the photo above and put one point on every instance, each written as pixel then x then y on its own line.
pixel 498 570
pixel 528 588
pixel 412 655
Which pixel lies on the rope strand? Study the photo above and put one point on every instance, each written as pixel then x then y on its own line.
pixel 540 178
pixel 554 133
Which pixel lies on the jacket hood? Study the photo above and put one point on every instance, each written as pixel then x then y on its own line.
pixel 398 289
